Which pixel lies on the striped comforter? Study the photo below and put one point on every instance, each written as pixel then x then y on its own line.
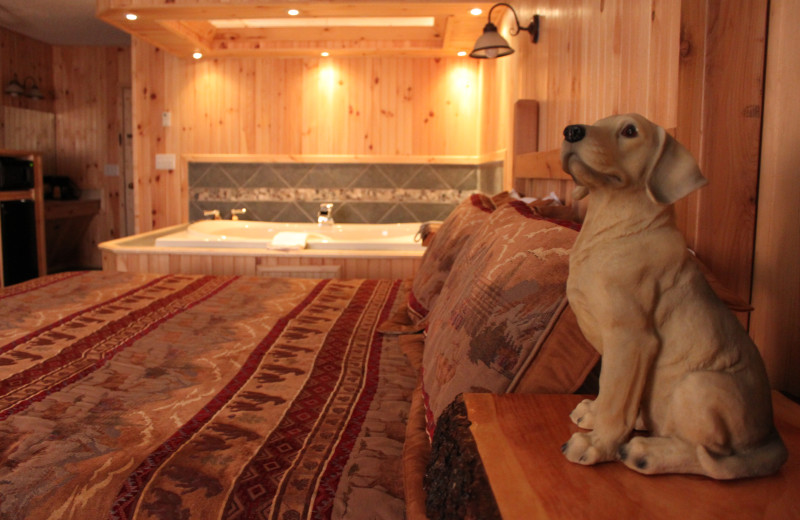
pixel 170 397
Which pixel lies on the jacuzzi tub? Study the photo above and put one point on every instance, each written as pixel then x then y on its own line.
pixel 245 234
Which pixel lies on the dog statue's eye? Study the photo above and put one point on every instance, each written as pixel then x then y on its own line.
pixel 630 131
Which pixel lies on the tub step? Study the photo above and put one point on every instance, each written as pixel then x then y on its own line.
pixel 299 271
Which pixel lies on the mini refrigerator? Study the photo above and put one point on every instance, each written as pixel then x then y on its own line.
pixel 20 260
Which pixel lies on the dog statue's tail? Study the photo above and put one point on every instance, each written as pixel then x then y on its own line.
pixel 765 459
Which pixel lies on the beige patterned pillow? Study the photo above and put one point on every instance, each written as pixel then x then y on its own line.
pixel 448 242
pixel 493 309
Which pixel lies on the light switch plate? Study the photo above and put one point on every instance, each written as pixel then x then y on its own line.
pixel 165 161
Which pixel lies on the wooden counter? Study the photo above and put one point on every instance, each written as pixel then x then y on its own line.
pixel 66 223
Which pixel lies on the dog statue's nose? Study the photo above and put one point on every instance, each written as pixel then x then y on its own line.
pixel 574 133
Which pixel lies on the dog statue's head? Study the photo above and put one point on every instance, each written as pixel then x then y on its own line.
pixel 629 151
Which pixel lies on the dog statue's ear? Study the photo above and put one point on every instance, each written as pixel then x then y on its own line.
pixel 675 173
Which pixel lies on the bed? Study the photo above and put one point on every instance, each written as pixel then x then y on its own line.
pixel 128 395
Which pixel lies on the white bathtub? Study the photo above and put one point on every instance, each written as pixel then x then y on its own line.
pixel 245 234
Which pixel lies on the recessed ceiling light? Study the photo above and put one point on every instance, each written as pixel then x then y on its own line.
pixel 475 11
pixel 131 17
pixel 293 12
pixel 462 53
pixel 324 53
pixel 197 55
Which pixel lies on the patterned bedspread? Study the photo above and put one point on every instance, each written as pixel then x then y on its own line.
pixel 172 397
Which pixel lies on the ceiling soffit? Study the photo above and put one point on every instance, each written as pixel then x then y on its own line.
pixel 185 27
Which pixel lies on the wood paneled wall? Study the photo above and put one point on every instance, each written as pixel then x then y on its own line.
pixel 366 107
pixel 26 57
pixel 88 132
pixel 720 99
pixel 25 129
pixel 776 277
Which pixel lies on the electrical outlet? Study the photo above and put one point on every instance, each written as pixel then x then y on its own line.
pixel 166 119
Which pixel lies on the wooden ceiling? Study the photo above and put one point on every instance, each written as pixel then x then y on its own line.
pixel 183 27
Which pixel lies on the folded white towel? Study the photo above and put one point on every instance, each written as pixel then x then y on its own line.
pixel 286 240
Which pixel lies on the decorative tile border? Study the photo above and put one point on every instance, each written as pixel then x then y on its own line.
pixel 448 196
pixel 292 192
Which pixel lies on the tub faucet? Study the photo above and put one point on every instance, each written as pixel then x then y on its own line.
pixel 325 215
pixel 236 212
pixel 211 214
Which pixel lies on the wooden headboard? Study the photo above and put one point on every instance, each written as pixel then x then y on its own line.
pixel 536 173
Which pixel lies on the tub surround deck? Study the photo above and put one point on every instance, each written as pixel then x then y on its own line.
pixel 243 234
pixel 139 253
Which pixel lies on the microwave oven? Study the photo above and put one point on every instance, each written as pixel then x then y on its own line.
pixel 15 174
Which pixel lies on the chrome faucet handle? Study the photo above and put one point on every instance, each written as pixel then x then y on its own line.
pixel 214 213
pixel 325 215
pixel 236 212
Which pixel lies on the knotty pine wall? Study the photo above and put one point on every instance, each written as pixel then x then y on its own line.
pixel 88 132
pixel 371 109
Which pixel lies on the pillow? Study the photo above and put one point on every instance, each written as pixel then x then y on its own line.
pixel 447 243
pixel 568 216
pixel 496 306
pixel 444 248
pixel 504 196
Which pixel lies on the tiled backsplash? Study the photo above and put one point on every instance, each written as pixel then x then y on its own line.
pixel 291 192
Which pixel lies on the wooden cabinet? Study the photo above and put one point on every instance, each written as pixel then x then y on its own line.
pixel 35 194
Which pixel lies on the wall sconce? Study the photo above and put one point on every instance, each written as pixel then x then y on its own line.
pixel 492 45
pixel 16 89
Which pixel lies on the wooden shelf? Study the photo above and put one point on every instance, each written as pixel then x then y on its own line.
pixel 59 209
pixel 343 158
pixel 17 194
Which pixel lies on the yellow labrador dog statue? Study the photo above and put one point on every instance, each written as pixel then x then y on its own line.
pixel 676 361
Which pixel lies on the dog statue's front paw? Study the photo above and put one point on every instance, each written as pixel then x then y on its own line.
pixel 583 414
pixel 634 455
pixel 651 455
pixel 585 448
